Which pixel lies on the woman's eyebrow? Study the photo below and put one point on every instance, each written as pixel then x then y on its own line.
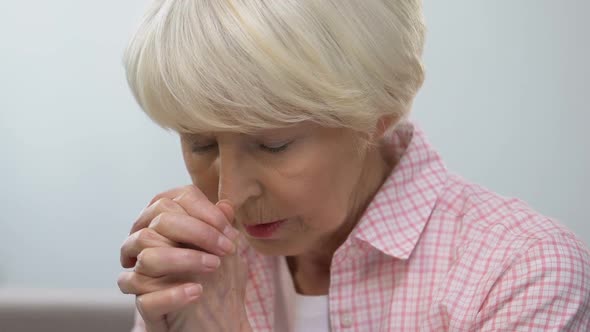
pixel 197 137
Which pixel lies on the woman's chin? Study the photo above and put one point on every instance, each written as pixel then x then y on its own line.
pixel 274 247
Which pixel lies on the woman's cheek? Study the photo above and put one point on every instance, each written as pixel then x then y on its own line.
pixel 205 178
pixel 209 187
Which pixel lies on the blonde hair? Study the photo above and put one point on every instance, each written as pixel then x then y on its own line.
pixel 245 65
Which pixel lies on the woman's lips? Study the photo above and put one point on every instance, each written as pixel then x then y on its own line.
pixel 263 231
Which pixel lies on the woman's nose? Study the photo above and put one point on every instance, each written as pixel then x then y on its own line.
pixel 237 180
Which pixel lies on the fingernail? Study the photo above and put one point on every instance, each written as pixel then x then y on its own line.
pixel 211 261
pixel 226 245
pixel 231 232
pixel 193 290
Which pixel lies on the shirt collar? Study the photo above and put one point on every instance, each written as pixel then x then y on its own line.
pixel 397 215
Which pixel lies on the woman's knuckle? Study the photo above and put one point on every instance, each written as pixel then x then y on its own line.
pixel 164 204
pixel 123 249
pixel 132 282
pixel 126 284
pixel 145 237
pixel 141 257
pixel 121 282
pixel 194 194
pixel 136 224
pixel 211 237
pixel 174 295
pixel 191 189
pixel 162 220
pixel 155 199
pixel 182 258
pixel 148 256
pixel 187 255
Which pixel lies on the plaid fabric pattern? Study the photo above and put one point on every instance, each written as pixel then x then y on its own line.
pixel 434 252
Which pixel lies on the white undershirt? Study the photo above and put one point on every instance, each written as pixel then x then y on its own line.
pixel 311 314
pixel 296 312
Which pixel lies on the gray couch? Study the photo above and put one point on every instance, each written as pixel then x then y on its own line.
pixel 68 310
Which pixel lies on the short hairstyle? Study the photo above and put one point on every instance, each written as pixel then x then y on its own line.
pixel 246 65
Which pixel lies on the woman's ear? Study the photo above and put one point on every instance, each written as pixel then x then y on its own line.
pixel 383 124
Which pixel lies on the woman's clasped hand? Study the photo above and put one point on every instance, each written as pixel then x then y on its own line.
pixel 186 273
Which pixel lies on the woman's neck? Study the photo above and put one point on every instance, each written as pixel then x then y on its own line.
pixel 311 270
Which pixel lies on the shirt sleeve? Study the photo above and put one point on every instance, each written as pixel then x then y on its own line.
pixel 547 289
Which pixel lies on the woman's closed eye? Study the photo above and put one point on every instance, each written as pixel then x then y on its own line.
pixel 204 148
pixel 275 148
pixel 270 148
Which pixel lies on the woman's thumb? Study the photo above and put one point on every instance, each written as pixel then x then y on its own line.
pixel 227 208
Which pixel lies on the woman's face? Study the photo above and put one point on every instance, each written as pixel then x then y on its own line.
pixel 293 189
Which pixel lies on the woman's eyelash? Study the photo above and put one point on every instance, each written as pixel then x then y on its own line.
pixel 267 148
pixel 275 149
pixel 204 148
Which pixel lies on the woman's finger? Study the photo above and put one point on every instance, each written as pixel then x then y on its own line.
pixel 163 204
pixel 190 200
pixel 131 282
pixel 158 262
pixel 227 209
pixel 153 307
pixel 140 240
pixel 198 205
pixel 181 228
pixel 170 194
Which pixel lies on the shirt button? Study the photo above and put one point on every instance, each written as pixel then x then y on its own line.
pixel 346 320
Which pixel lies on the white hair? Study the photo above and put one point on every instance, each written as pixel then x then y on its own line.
pixel 245 65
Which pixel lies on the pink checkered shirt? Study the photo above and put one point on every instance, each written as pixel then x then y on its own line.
pixel 434 252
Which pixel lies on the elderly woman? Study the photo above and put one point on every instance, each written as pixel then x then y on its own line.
pixel 316 204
